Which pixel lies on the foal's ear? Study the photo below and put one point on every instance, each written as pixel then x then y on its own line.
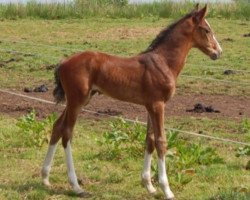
pixel 200 15
pixel 196 7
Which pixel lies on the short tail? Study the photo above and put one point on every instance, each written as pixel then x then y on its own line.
pixel 58 92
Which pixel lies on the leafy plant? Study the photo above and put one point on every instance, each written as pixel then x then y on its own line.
pixel 242 151
pixel 187 154
pixel 35 132
pixel 184 157
pixel 245 126
pixel 172 138
pixel 128 139
pixel 124 139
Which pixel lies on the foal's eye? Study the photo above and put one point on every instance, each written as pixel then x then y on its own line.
pixel 207 31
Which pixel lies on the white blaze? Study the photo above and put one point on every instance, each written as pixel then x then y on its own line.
pixel 215 40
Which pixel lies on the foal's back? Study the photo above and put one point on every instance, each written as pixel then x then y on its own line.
pixel 128 79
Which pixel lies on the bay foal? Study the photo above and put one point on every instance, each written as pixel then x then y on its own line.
pixel 147 79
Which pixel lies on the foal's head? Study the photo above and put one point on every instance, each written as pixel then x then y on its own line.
pixel 193 26
pixel 203 36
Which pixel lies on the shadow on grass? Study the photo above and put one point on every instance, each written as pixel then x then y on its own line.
pixel 38 188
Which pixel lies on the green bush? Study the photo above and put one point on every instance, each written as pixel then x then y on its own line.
pixel 126 140
pixel 183 158
pixel 245 126
pixel 243 151
pixel 35 132
pixel 129 138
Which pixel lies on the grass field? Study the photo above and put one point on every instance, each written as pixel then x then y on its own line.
pixel 30 40
pixel 117 177
pixel 28 49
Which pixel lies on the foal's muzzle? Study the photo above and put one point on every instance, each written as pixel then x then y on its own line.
pixel 216 55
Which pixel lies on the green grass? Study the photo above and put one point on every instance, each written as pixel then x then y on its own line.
pixel 25 60
pixel 118 9
pixel 115 178
pixel 125 37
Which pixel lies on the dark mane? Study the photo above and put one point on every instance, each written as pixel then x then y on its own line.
pixel 165 34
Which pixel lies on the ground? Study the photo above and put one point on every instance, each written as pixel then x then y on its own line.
pixel 30 50
pixel 232 107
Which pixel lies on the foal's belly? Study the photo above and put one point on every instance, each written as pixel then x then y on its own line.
pixel 131 95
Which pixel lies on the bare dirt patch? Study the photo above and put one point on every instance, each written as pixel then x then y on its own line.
pixel 201 108
pixel 229 72
pixel 246 35
pixel 4 63
pixel 233 107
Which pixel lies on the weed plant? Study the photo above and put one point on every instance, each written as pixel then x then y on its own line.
pixel 35 132
pixel 199 177
pixel 243 151
pixel 126 140
pixel 123 139
pixel 245 126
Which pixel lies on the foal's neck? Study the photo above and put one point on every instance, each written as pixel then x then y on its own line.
pixel 175 51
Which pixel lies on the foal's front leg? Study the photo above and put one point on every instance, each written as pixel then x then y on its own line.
pixel 150 146
pixel 157 116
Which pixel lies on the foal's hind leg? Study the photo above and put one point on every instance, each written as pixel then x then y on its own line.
pixel 77 96
pixel 56 135
pixel 70 119
pixel 150 146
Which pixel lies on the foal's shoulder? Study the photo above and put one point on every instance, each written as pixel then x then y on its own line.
pixel 152 60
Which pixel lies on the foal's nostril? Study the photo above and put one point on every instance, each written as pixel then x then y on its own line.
pixel 215 56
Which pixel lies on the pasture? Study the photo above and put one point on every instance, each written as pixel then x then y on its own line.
pixel 108 152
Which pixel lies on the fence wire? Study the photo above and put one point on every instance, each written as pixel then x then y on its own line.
pixel 225 140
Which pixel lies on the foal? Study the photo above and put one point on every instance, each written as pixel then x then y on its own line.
pixel 147 79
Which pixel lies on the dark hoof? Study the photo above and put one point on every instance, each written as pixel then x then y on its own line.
pixel 170 199
pixel 84 195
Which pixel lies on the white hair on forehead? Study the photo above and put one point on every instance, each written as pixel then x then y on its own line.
pixel 216 42
pixel 207 23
